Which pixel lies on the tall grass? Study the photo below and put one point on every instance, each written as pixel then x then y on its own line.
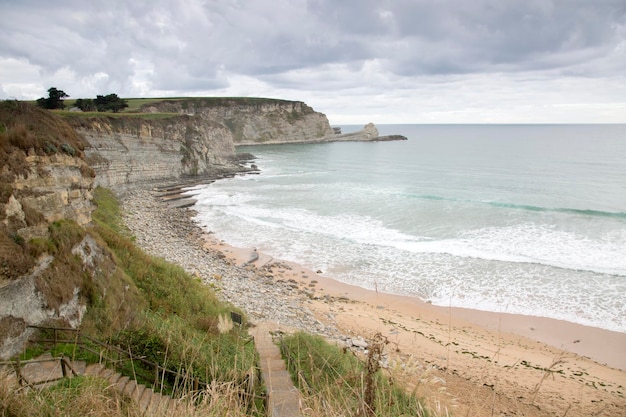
pixel 76 397
pixel 93 397
pixel 335 382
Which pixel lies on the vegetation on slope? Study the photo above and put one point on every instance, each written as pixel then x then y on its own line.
pixel 76 397
pixel 183 315
pixel 336 383
pixel 150 307
pixel 138 302
pixel 27 128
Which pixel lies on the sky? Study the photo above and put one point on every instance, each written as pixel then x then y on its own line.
pixel 357 61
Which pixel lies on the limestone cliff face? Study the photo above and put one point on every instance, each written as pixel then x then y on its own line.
pixel 57 187
pixel 43 179
pixel 254 121
pixel 127 150
pixel 54 187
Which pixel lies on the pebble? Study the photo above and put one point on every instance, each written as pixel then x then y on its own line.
pixel 170 233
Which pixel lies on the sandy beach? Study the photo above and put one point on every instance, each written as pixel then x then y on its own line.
pixel 465 362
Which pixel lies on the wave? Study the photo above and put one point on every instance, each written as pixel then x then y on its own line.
pixel 583 212
pixel 521 243
pixel 526 207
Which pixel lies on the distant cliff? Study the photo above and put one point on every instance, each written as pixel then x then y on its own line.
pixel 253 121
pixel 193 136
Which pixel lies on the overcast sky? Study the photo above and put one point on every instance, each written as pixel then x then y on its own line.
pixel 385 61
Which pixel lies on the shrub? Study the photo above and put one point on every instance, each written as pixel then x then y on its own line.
pixel 50 148
pixel 68 149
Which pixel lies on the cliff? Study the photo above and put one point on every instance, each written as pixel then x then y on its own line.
pixel 253 121
pixel 130 149
pixel 45 199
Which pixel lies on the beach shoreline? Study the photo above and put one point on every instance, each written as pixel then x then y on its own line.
pixel 521 365
pixel 603 346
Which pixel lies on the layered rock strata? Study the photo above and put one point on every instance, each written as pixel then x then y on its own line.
pixel 127 150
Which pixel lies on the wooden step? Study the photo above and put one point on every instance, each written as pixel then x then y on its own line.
pixel 94 369
pixel 158 405
pixel 138 392
pixel 121 383
pixel 146 398
pixel 283 396
pixel 129 389
pixel 106 373
pixel 79 367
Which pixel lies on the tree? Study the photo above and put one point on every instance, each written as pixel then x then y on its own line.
pixel 86 104
pixel 110 102
pixel 54 100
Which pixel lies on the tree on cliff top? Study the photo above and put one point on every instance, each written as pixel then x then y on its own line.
pixel 54 100
pixel 110 102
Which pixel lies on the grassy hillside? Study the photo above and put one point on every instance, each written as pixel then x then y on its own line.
pixel 153 309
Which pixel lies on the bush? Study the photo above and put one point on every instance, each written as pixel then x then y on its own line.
pixel 50 148
pixel 68 149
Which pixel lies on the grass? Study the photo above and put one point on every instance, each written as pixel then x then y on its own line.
pixel 122 115
pixel 135 104
pixel 150 307
pixel 77 397
pixel 179 326
pixel 335 382
pixel 85 396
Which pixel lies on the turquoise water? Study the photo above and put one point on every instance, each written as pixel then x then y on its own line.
pixel 507 218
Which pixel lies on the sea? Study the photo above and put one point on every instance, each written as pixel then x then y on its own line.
pixel 527 219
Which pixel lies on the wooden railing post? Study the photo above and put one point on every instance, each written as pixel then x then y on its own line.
pixel 18 371
pixel 63 366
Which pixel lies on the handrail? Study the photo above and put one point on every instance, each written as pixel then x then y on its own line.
pixel 21 380
pixel 159 371
pixel 79 340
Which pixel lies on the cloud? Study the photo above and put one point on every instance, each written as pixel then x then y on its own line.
pixel 378 56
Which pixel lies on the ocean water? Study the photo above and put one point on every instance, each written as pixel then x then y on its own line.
pixel 527 219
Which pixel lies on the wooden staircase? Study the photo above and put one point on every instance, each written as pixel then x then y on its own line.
pixel 48 370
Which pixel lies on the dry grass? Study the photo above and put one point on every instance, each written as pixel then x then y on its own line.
pixel 15 259
pixel 76 397
pixel 30 128
pixel 87 396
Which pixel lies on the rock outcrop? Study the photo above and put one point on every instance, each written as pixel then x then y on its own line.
pixel 45 189
pixel 57 187
pixel 367 134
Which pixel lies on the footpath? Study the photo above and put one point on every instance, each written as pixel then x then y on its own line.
pixel 283 397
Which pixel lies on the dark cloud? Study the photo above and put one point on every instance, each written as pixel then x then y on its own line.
pixel 198 47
